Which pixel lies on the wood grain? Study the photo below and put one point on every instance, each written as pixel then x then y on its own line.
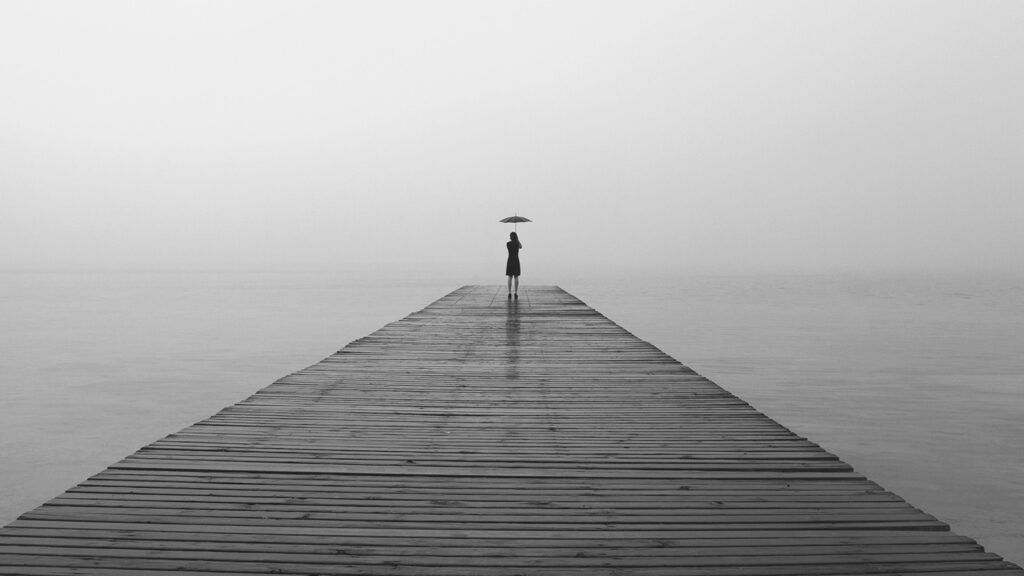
pixel 482 436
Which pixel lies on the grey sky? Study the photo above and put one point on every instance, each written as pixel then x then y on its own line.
pixel 674 135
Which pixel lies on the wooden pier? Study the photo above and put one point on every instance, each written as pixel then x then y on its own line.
pixel 483 436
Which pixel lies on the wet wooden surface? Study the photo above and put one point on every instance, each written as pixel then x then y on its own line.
pixel 487 436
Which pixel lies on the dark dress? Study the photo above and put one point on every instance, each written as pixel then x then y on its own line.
pixel 512 266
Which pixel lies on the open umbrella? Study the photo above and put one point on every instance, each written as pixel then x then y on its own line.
pixel 514 220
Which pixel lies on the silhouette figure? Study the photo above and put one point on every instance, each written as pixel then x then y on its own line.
pixel 512 265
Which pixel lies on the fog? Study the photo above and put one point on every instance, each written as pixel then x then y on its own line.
pixel 732 136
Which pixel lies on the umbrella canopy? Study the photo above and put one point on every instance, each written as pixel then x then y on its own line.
pixel 514 220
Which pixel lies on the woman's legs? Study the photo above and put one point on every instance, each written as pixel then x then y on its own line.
pixel 510 286
pixel 517 286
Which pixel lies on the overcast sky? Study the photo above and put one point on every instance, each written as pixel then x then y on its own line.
pixel 674 135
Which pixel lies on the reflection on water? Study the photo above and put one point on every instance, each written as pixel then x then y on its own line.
pixel 512 340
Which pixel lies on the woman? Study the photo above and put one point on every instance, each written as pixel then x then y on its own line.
pixel 512 266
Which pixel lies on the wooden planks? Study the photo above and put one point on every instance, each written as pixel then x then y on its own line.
pixel 488 436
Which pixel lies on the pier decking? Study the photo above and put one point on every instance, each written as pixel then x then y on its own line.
pixel 482 436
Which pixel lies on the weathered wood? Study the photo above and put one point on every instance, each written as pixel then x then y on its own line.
pixel 487 436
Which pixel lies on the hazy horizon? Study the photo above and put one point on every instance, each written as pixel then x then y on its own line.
pixel 732 137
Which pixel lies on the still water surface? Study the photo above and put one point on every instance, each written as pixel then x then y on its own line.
pixel 917 381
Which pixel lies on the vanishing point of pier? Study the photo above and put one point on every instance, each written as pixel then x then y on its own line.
pixel 487 436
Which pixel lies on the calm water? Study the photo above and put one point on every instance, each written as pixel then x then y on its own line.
pixel 914 380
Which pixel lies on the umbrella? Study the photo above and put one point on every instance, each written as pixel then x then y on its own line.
pixel 514 220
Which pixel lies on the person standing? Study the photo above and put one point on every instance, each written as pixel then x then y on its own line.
pixel 512 265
